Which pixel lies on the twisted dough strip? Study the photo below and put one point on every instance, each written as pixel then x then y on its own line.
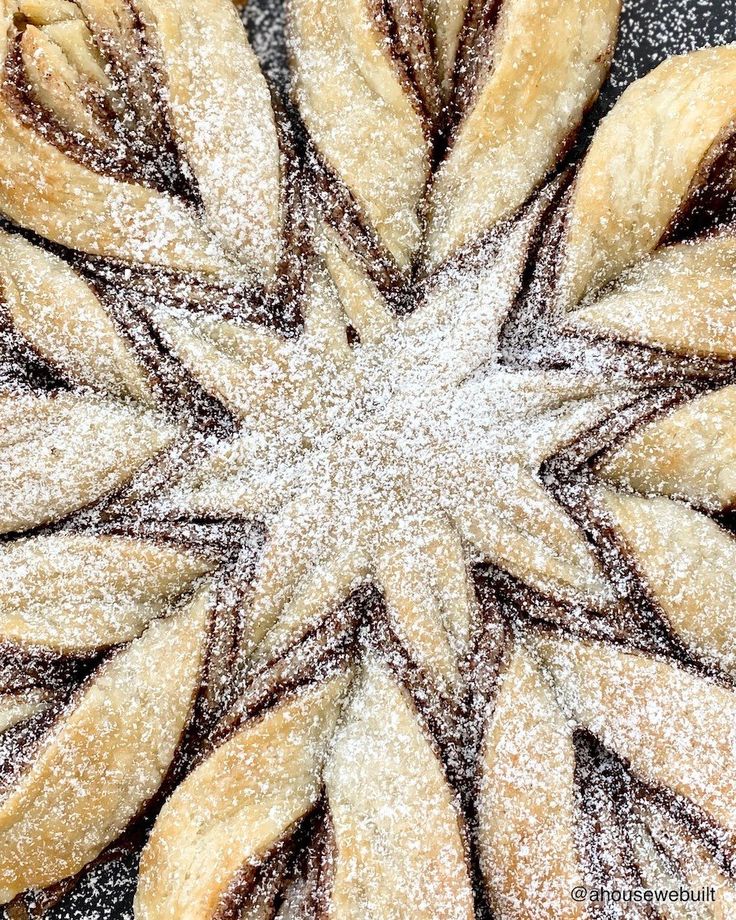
pixel 374 130
pixel 105 755
pixel 251 793
pixel 651 160
pixel 216 109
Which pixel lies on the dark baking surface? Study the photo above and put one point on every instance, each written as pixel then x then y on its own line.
pixel 650 31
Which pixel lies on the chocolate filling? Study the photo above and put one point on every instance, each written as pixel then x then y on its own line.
pixel 140 146
pixel 602 787
pixel 405 29
pixel 474 59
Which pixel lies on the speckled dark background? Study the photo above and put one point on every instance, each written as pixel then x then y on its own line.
pixel 650 31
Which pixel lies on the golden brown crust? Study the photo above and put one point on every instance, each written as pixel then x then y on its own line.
pixel 515 127
pixel 639 169
pixel 527 811
pixel 689 453
pixel 80 792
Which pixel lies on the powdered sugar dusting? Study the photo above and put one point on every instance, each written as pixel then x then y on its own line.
pixel 387 568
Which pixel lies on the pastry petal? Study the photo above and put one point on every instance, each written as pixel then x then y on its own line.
pixel 365 307
pixel 63 452
pixel 531 99
pixel 687 562
pixel 220 107
pixel 524 530
pixel 319 593
pixel 446 18
pixel 429 598
pixel 675 729
pixel 682 299
pixel 59 315
pixel 644 164
pixel 77 593
pixel 398 841
pixel 105 757
pixel 230 813
pixel 267 381
pixel 364 124
pixel 526 807
pixel 688 453
pixel 47 192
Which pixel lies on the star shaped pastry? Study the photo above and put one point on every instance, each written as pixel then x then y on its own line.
pixel 367 462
